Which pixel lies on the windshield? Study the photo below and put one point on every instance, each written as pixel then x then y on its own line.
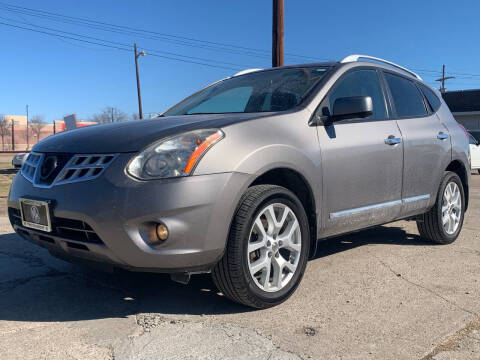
pixel 273 90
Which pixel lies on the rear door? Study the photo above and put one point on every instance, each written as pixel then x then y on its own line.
pixel 427 146
pixel 361 159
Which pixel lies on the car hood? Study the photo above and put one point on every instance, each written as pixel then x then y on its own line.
pixel 133 136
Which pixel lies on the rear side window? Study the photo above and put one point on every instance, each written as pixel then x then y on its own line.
pixel 407 99
pixel 433 100
pixel 361 83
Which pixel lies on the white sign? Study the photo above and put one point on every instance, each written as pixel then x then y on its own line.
pixel 70 122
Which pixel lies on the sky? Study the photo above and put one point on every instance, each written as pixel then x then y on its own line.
pixel 58 76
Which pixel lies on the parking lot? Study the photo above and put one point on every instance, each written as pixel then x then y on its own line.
pixel 382 293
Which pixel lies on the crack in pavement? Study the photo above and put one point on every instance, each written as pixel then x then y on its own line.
pixel 400 276
pixel 29 258
pixel 452 341
pixel 469 251
pixel 233 332
pixel 11 285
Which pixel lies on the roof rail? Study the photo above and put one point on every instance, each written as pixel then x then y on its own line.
pixel 353 58
pixel 247 71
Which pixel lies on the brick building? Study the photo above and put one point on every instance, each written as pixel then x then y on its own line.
pixel 19 141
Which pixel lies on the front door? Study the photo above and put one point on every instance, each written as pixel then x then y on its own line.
pixel 362 160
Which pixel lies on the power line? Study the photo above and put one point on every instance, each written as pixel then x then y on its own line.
pixel 137 34
pixel 438 72
pixel 175 39
pixel 123 44
pixel 62 36
pixel 182 40
pixel 170 38
pixel 115 47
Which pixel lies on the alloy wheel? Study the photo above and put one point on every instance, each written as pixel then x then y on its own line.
pixel 451 208
pixel 274 247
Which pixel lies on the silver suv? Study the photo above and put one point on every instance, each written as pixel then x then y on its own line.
pixel 243 178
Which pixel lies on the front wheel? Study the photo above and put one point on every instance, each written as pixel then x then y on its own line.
pixel 442 224
pixel 267 248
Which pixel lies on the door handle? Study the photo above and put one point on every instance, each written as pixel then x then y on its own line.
pixel 442 136
pixel 392 140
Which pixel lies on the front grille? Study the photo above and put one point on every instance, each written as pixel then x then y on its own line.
pixel 84 167
pixel 15 216
pixel 51 166
pixel 69 229
pixel 75 230
pixel 29 168
pixel 49 169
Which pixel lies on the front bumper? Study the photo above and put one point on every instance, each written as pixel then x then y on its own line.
pixel 196 209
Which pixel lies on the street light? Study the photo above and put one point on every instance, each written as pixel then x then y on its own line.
pixel 137 55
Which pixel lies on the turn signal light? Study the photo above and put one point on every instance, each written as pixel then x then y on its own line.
pixel 201 149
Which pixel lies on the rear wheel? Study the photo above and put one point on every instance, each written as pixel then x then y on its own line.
pixel 478 171
pixel 442 224
pixel 267 248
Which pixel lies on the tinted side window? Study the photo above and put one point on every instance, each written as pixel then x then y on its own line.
pixel 361 83
pixel 433 100
pixel 407 99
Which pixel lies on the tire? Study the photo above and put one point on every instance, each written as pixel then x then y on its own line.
pixel 431 226
pixel 478 171
pixel 232 274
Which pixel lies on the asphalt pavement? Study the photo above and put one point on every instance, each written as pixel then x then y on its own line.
pixel 382 293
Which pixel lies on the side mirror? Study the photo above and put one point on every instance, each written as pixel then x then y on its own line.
pixel 353 107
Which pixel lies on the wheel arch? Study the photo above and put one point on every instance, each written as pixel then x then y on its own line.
pixel 458 168
pixel 298 184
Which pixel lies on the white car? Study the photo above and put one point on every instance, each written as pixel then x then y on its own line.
pixel 474 152
pixel 19 159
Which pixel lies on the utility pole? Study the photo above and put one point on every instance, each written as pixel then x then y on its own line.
pixel 13 135
pixel 443 78
pixel 277 33
pixel 28 142
pixel 141 53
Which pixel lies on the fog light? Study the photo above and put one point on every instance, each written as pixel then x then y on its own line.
pixel 162 232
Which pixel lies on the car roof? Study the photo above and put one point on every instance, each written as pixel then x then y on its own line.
pixel 338 64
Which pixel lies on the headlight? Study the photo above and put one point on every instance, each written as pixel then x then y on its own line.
pixel 173 157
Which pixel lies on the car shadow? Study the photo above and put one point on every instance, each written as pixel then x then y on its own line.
pixel 35 286
pixel 388 235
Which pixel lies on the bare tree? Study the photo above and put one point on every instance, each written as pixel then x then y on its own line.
pixel 36 124
pixel 109 114
pixel 4 129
